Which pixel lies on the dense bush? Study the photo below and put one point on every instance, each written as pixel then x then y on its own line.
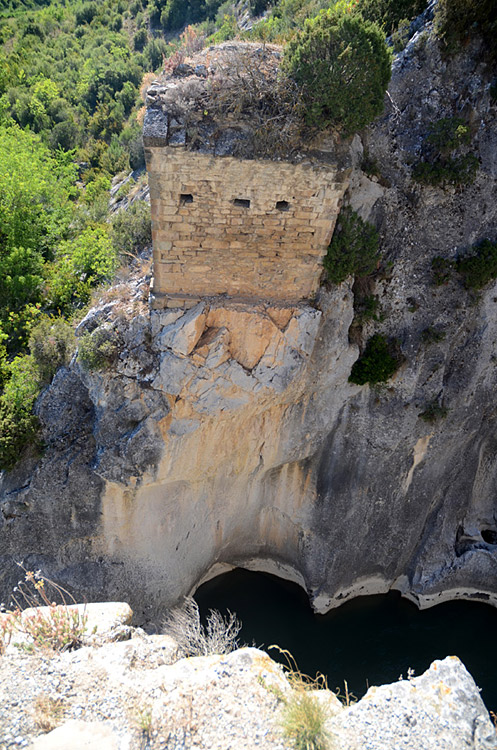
pixel 132 229
pixel 51 344
pixel 342 64
pixel 353 250
pixel 446 160
pixel 388 13
pixel 97 350
pixel 441 269
pixel 378 362
pixel 457 20
pixel 479 268
pixel 18 425
pixel 433 411
pixel 80 264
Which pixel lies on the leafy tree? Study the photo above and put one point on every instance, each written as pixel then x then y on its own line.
pixel 18 425
pixel 81 263
pixel 343 65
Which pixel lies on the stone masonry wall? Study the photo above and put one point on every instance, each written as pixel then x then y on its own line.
pixel 243 228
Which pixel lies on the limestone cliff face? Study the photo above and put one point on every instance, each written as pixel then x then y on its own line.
pixel 229 434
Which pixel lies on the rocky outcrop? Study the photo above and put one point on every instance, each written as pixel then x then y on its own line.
pixel 229 434
pixel 135 693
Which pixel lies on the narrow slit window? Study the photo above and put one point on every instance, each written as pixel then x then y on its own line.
pixel 282 205
pixel 185 198
pixel 241 202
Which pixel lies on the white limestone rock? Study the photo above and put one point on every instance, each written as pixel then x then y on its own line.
pixel 174 373
pixel 182 335
pixel 78 735
pixel 440 710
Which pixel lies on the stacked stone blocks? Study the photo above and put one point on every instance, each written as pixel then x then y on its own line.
pixel 240 228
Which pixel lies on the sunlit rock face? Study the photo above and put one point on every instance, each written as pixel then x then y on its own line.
pixel 228 434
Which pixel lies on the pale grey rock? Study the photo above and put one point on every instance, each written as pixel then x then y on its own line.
pixel 181 427
pixel 182 335
pixel 160 319
pixel 95 317
pixel 302 330
pixel 440 710
pixel 239 376
pixel 218 349
pixel 78 735
pixel 174 373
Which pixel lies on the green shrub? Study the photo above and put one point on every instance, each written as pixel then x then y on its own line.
pixel 18 425
pixel 449 133
pixel 433 411
pixel 353 249
pixel 343 65
pixel 378 362
pixel 97 350
pixel 479 268
pixel 432 335
pixel 367 308
pixel 441 269
pixel 457 20
pixel 132 229
pixel 443 163
pixel 51 344
pixel 82 263
pixel 389 13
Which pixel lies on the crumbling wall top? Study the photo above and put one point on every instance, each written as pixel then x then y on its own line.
pixel 230 100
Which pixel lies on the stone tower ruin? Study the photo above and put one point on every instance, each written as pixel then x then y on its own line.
pixel 226 220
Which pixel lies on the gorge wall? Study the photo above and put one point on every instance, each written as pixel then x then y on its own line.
pixel 228 434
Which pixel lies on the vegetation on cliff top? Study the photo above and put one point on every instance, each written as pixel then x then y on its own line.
pixel 342 64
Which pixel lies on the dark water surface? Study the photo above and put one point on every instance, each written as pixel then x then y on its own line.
pixel 369 640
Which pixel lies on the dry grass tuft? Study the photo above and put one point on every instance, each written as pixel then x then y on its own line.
pixel 304 715
pixel 219 636
pixel 48 712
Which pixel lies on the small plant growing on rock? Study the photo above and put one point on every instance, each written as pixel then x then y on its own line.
pixel 444 160
pixel 44 624
pixel 431 335
pixel 304 716
pixel 379 361
pixel 143 720
pixel 48 712
pixel 97 350
pixel 479 268
pixel 52 344
pixel 353 249
pixel 219 636
pixel 433 412
pixel 304 720
pixel 441 269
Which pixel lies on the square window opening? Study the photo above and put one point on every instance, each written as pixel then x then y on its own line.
pixel 185 198
pixel 282 205
pixel 241 202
